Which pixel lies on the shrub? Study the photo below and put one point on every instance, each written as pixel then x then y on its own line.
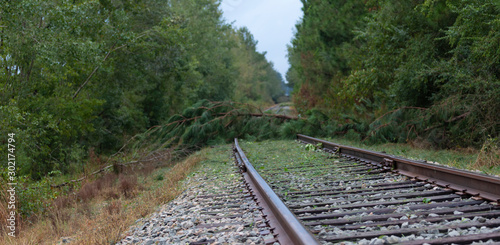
pixel 87 192
pixel 114 207
pixel 127 185
pixel 489 156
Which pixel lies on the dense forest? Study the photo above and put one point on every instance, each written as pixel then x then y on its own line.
pixel 395 71
pixel 84 76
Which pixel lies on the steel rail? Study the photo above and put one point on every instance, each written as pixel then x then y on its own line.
pixel 286 227
pixel 477 185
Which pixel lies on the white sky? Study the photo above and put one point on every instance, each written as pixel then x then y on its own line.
pixel 271 22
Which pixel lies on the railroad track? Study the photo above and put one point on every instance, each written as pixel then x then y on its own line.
pixel 354 196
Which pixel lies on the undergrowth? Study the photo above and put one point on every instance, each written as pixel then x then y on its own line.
pixel 489 155
pixel 210 123
pixel 100 210
pixel 101 194
pixel 486 160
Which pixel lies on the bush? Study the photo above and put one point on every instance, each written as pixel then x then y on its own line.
pixel 127 185
pixel 489 156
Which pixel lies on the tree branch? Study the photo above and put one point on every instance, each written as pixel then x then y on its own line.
pixel 405 107
pixel 457 118
pixel 112 49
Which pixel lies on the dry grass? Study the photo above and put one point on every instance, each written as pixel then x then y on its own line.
pixel 3 207
pixel 102 210
pixel 420 143
pixel 87 192
pixel 489 156
pixel 128 185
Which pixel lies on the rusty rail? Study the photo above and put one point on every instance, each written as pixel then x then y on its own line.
pixel 286 227
pixel 463 182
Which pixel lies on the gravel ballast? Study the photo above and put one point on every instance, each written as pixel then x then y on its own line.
pixel 215 208
pixel 344 201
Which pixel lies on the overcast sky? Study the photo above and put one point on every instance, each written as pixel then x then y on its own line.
pixel 271 22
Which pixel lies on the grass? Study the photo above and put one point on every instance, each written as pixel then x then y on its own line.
pixel 467 159
pixel 489 155
pixel 459 158
pixel 103 209
pixel 267 156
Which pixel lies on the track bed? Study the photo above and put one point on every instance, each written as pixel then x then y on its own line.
pixel 342 200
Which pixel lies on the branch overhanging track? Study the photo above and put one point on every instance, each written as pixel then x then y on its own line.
pixel 358 196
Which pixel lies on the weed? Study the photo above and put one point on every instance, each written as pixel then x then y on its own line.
pixel 84 209
pixel 489 156
pixel 111 194
pixel 417 150
pixel 127 185
pixel 58 217
pixel 87 192
pixel 62 202
pixel 93 213
pixel 310 147
pixel 3 207
pixel 106 181
pixel 114 207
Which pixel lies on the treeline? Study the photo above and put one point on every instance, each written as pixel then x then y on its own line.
pixel 85 75
pixel 393 71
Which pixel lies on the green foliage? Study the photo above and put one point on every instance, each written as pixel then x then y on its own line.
pixel 212 122
pixel 427 69
pixel 426 200
pixel 84 74
pixel 310 147
pixel 159 177
pixel 36 197
pixel 321 49
pixel 489 156
pixel 352 135
pixel 258 80
pixel 208 123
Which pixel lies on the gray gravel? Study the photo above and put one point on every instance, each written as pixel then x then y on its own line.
pixel 214 209
pixel 404 218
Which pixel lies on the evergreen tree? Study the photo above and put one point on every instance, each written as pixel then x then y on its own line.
pixel 395 70
pixel 93 73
